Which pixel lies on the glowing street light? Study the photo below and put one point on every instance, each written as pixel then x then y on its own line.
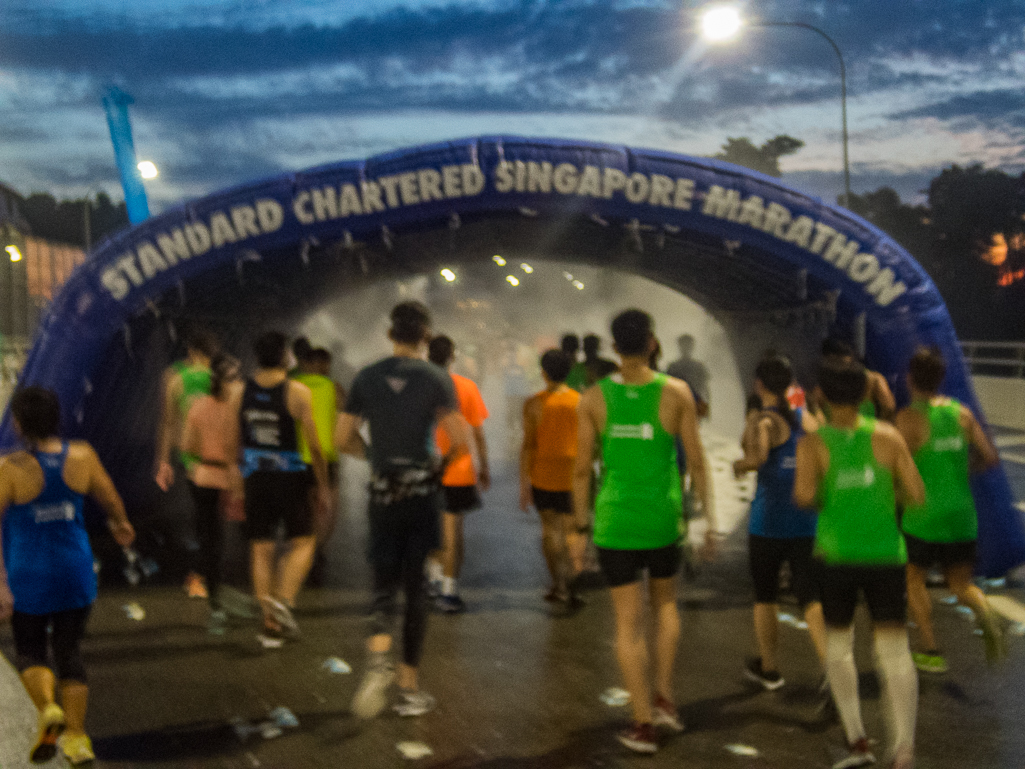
pixel 498 260
pixel 526 268
pixel 14 253
pixel 513 280
pixel 448 275
pixel 148 169
pixel 720 23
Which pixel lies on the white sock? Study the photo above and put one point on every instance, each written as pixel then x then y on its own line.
pixel 900 688
pixel 434 572
pixel 843 680
pixel 448 586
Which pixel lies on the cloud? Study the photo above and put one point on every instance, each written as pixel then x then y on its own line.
pixel 991 108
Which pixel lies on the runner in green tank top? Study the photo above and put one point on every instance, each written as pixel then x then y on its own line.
pixel 944 437
pixel 184 382
pixel 877 401
pixel 314 371
pixel 637 414
pixel 851 470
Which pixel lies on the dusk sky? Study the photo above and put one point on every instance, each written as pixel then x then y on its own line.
pixel 227 92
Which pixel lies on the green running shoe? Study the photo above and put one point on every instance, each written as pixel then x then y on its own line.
pixel 930 662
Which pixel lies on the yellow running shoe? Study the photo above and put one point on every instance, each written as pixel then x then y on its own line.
pixel 77 748
pixel 51 725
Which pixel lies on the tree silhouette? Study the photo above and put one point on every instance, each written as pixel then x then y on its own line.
pixel 743 152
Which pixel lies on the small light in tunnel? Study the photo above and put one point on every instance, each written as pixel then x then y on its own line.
pixel 567 275
pixel 526 268
pixel 498 260
pixel 448 275
pixel 513 280
pixel 578 285
pixel 14 253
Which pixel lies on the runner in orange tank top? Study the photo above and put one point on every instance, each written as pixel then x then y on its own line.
pixel 463 477
pixel 546 468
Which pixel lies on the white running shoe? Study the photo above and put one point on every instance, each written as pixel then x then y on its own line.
pixel 414 703
pixel 372 695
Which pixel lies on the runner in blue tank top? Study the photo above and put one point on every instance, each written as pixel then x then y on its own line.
pixel 47 582
pixel 779 531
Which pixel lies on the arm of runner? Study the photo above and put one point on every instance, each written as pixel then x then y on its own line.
pixel 984 453
pixel 6 497
pixel 163 471
pixel 757 450
pixel 301 407
pixel 808 473
pixel 527 452
pixel 458 432
pixel 484 472
pixel 101 489
pixel 695 452
pixel 347 437
pixel 911 488
pixel 882 396
pixel 233 442
pixel 587 432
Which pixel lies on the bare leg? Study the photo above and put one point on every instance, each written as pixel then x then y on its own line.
pixel 39 683
pixel 452 544
pixel 667 633
pixel 553 545
pixel 261 557
pixel 816 629
pixel 920 605
pixel 959 577
pixel 74 699
pixel 407 677
pixel 632 647
pixel 293 568
pixel 767 635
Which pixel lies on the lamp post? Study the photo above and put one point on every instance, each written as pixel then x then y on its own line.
pixel 723 22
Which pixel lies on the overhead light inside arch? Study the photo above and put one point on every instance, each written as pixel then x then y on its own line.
pixel 498 260
pixel 513 280
pixel 448 275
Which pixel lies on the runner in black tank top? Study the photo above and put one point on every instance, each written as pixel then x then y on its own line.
pixel 276 482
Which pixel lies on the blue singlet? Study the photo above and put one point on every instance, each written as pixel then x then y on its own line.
pixel 46 548
pixel 773 512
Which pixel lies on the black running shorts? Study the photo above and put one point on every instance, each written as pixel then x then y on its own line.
pixel 884 587
pixel 767 556
pixel 460 499
pixel 621 567
pixel 276 498
pixel 928 554
pixel 556 501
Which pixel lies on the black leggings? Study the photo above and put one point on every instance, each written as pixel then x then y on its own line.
pixel 401 536
pixel 210 532
pixel 31 642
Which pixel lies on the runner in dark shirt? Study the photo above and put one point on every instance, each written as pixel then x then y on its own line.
pixel 401 399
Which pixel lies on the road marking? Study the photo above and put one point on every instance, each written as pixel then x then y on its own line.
pixel 1010 456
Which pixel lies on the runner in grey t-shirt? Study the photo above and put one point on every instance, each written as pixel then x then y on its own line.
pixel 401 398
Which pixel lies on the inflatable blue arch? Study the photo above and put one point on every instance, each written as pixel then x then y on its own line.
pixel 731 238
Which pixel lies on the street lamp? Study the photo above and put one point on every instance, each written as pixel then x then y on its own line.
pixel 720 23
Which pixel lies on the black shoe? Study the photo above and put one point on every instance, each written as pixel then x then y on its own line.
pixel 770 680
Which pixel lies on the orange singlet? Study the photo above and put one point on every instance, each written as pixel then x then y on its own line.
pixel 462 471
pixel 556 440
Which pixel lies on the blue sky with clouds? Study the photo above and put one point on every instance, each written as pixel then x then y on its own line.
pixel 231 91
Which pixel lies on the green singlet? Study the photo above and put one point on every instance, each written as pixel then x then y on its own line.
pixel 325 412
pixel 640 504
pixel 577 378
pixel 858 511
pixel 195 384
pixel 948 514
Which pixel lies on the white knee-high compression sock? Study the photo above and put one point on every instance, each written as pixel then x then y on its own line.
pixel 843 680
pixel 900 688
